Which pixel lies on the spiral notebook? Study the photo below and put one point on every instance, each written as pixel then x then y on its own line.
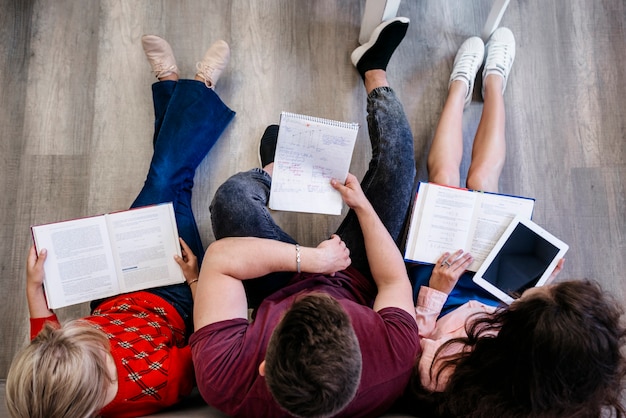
pixel 310 151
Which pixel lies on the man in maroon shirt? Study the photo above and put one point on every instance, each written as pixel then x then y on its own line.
pixel 334 330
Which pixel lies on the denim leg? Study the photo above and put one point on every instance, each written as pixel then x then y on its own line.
pixel 239 209
pixel 189 119
pixel 389 181
pixel 161 94
pixel 194 119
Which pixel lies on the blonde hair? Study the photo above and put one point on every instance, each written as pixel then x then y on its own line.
pixel 61 373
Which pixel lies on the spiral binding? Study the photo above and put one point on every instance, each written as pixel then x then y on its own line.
pixel 323 121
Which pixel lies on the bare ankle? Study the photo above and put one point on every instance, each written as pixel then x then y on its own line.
pixel 493 83
pixel 169 77
pixel 374 79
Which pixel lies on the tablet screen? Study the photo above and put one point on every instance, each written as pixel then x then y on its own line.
pixel 521 261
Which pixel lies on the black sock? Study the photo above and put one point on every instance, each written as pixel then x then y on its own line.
pixel 268 145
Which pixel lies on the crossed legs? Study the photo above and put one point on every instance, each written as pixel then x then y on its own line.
pixel 189 119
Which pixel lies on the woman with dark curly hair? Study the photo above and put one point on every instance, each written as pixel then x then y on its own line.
pixel 555 351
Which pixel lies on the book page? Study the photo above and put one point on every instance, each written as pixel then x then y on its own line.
pixel 145 241
pixel 309 153
pixel 80 265
pixel 494 214
pixel 441 223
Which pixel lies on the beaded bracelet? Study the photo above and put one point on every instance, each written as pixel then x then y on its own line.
pixel 298 257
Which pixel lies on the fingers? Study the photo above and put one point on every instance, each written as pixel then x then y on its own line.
pixel 559 266
pixel 186 249
pixel 188 262
pixel 448 270
pixel 351 183
pixel 179 260
pixel 335 183
pixel 32 256
pixel 36 260
pixel 556 271
pixel 337 255
pixel 341 243
pixel 351 178
pixel 454 262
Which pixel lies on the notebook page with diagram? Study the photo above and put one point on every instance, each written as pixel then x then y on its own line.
pixel 310 151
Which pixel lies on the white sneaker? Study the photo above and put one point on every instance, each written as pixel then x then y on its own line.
pixel 500 55
pixel 213 63
pixel 466 64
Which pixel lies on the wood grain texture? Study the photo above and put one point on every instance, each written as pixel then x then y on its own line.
pixel 76 120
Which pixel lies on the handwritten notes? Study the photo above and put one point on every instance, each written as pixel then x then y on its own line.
pixel 310 152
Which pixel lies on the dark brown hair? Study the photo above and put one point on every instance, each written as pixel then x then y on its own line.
pixel 313 360
pixel 553 354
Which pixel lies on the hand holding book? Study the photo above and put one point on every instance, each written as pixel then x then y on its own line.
pixel 101 256
pixel 37 304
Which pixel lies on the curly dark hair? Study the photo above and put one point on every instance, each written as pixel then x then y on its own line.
pixel 313 361
pixel 553 354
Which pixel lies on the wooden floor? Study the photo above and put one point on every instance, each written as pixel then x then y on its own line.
pixel 76 120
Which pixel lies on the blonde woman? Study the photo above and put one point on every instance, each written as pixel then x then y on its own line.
pixel 130 356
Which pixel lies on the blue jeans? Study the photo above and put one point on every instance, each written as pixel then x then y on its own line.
pixel 189 119
pixel 239 207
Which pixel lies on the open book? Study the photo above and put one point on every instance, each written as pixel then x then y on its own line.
pixel 310 152
pixel 101 256
pixel 447 219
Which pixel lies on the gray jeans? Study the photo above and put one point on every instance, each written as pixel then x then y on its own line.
pixel 239 207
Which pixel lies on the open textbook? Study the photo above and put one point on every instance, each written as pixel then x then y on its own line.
pixel 310 152
pixel 101 256
pixel 447 219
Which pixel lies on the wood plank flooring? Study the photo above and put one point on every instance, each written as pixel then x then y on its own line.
pixel 76 119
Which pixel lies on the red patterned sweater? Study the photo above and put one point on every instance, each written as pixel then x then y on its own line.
pixel 148 345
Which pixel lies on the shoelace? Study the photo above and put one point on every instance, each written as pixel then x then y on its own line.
pixel 206 72
pixel 160 70
pixel 498 58
pixel 465 64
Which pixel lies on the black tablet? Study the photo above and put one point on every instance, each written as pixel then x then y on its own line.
pixel 525 256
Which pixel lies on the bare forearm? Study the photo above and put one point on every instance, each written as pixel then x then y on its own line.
pixel 37 305
pixel 385 261
pixel 220 293
pixel 248 258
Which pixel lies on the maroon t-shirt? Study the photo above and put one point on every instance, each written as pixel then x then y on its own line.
pixel 227 354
